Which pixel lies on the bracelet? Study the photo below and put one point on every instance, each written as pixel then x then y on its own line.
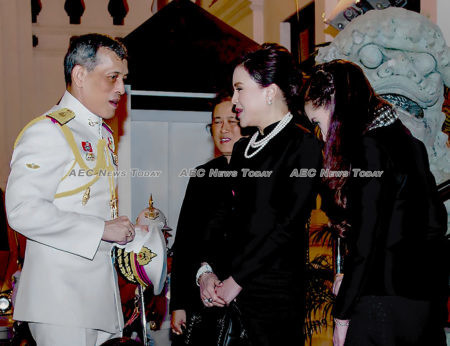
pixel 342 324
pixel 206 268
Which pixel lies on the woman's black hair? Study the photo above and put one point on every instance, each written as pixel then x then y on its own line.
pixel 342 86
pixel 274 64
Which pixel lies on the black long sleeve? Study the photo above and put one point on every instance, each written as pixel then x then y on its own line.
pixel 398 223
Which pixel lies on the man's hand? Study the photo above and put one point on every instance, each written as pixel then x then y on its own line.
pixel 178 321
pixel 119 230
pixel 228 290
pixel 208 284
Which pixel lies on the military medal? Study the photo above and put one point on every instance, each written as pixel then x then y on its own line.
pixel 90 157
pixel 87 147
pixel 115 159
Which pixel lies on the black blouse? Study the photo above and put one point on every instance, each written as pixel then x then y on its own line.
pixel 398 223
pixel 274 192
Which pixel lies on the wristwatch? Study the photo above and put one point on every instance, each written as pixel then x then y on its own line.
pixel 206 268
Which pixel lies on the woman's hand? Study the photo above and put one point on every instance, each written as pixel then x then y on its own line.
pixel 337 283
pixel 228 290
pixel 178 321
pixel 340 332
pixel 208 283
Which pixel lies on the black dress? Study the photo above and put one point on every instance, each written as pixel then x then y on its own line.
pixel 199 238
pixel 394 284
pixel 272 203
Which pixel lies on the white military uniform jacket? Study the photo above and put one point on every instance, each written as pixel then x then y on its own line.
pixel 68 277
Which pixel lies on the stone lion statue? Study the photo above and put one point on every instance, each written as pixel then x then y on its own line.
pixel 407 61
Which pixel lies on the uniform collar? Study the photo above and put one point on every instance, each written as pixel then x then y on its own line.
pixel 82 114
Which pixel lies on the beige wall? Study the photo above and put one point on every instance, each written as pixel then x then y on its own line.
pixel 53 31
pixel 428 9
pixel 236 13
pixel 32 79
pixel 245 26
pixel 277 12
pixel 16 76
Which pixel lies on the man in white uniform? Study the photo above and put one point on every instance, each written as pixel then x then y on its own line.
pixel 61 196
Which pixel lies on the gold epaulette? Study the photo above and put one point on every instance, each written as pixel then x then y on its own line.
pixel 62 116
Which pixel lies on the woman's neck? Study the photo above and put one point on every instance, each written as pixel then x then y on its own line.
pixel 272 119
pixel 228 157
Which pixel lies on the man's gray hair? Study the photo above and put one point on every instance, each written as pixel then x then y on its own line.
pixel 83 51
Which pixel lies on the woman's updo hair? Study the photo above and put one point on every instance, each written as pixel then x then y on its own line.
pixel 274 64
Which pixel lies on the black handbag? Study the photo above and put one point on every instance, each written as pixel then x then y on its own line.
pixel 230 328
pixel 216 327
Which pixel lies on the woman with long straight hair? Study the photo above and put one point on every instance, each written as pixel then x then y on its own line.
pixel 378 176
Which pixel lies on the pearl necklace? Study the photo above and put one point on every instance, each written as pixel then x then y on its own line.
pixel 262 143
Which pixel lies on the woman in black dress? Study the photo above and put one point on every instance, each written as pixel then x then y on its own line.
pixel 273 198
pixel 195 241
pixel 394 286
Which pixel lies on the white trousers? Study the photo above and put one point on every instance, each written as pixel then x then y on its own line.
pixel 53 335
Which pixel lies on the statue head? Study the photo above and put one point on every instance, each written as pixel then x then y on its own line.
pixel 407 61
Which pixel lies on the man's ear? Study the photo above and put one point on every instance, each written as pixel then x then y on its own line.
pixel 78 75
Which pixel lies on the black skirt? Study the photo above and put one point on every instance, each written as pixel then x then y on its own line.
pixel 395 321
pixel 273 310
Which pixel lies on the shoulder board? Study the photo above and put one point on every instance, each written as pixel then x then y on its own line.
pixel 62 116
pixel 108 128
